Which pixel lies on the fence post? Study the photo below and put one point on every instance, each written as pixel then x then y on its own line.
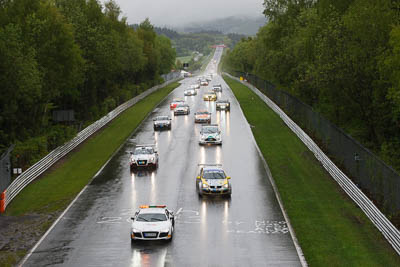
pixel 3 202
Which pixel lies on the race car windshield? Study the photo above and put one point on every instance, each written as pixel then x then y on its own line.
pixel 215 174
pixel 151 217
pixel 223 101
pixel 182 106
pixel 162 118
pixel 202 112
pixel 145 151
pixel 210 130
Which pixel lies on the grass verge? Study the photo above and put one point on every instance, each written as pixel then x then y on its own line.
pixel 55 190
pixel 331 229
pixel 185 59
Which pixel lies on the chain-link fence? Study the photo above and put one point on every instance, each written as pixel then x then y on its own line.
pixel 376 179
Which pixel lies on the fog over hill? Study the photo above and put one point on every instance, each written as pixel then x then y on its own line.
pixel 234 24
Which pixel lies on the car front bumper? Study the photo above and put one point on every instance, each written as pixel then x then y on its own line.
pixel 177 112
pixel 202 120
pixel 215 191
pixel 162 126
pixel 210 142
pixel 159 236
pixel 135 165
pixel 222 107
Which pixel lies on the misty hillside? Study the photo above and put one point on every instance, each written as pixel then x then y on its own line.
pixel 234 24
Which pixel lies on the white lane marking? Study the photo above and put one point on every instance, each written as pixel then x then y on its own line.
pixel 179 211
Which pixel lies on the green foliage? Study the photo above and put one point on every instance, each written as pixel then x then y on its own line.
pixel 340 57
pixel 70 54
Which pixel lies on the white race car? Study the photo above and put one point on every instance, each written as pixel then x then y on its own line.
pixel 144 156
pixel 190 92
pixel 182 109
pixel 152 223
pixel 210 134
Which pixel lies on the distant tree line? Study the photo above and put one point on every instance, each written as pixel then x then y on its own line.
pixel 342 57
pixel 201 41
pixel 69 55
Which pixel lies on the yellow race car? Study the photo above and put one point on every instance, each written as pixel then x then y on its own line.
pixel 212 180
pixel 210 96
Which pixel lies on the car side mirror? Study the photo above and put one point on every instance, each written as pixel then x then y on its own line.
pixel 228 177
pixel 132 218
pixel 154 119
pixel 198 177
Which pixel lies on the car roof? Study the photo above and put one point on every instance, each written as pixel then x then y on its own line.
pixel 161 116
pixel 152 210
pixel 178 100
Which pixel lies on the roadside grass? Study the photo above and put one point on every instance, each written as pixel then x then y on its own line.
pixel 331 229
pixel 185 59
pixel 55 190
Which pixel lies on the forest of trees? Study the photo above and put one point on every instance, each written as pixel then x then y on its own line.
pixel 342 57
pixel 69 55
pixel 201 41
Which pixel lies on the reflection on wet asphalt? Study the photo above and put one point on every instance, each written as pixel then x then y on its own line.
pixel 246 230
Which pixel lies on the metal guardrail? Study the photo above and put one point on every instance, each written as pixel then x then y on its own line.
pixel 389 231
pixel 45 163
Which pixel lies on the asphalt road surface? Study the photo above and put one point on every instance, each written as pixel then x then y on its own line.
pixel 246 230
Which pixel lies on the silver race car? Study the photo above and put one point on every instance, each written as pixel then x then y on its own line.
pixel 190 92
pixel 144 156
pixel 217 88
pixel 162 122
pixel 182 109
pixel 223 105
pixel 153 223
pixel 202 116
pixel 210 134
pixel 212 180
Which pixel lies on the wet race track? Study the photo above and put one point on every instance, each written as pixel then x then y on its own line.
pixel 246 230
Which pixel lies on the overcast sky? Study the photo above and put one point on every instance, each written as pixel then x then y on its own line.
pixel 178 12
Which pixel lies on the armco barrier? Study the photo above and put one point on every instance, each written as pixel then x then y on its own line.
pixel 389 231
pixel 45 163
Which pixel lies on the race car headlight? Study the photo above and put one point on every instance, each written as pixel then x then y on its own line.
pixel 165 231
pixel 134 230
pixel 226 185
pixel 152 159
pixel 205 185
pixel 133 160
